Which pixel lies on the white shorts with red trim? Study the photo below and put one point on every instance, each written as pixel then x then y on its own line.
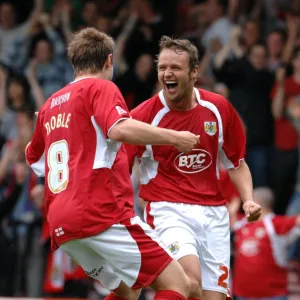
pixel 130 252
pixel 197 230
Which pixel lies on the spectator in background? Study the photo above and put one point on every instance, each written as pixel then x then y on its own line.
pixel 7 118
pixel 251 34
pixel 219 24
pixel 286 136
pixel 275 45
pixel 104 24
pixel 138 84
pixel 249 84
pixel 56 31
pixel 14 95
pixel 55 8
pixel 260 269
pixel 192 20
pixel 9 31
pixel 7 202
pixel 52 69
pixel 26 220
pixel 90 13
pixel 147 30
pixel 293 113
pixel 293 23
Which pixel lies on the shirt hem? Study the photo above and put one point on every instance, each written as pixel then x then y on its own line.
pixel 55 245
pixel 201 203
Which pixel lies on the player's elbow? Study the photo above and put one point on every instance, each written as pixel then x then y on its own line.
pixel 118 132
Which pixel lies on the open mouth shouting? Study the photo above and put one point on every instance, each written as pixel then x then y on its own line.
pixel 171 86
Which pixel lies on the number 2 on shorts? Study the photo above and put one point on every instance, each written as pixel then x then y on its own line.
pixel 223 277
pixel 57 159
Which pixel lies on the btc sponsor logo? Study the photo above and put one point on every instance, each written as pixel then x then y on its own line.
pixel 196 161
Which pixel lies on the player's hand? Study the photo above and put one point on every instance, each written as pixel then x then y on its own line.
pixel 186 141
pixel 252 210
pixel 44 19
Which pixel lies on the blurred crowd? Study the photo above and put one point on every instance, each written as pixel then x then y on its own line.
pixel 250 53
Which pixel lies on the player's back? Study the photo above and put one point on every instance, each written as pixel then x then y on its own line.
pixel 88 186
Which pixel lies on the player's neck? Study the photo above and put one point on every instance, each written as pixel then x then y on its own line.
pixel 188 102
pixel 82 76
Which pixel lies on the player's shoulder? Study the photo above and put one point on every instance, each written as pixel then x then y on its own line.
pixel 283 224
pixel 214 98
pixel 147 110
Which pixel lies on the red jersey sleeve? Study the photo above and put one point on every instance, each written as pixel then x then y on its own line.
pixel 108 105
pixel 284 224
pixel 234 144
pixel 34 151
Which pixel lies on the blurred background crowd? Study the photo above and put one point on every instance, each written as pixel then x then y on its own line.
pixel 250 53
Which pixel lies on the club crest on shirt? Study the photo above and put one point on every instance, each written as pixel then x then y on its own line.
pixel 174 248
pixel 210 127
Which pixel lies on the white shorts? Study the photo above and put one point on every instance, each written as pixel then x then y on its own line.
pixel 195 230
pixel 130 252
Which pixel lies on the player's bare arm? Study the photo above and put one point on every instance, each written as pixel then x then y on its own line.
pixel 135 132
pixel 242 179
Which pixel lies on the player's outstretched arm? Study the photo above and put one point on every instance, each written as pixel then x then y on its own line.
pixel 242 179
pixel 135 132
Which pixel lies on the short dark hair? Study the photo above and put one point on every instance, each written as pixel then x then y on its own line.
pixel 253 21
pixel 180 45
pixel 28 110
pixel 257 44
pixel 280 32
pixel 89 50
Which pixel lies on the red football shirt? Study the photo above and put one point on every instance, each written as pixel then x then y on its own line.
pixel 167 174
pixel 286 136
pixel 261 256
pixel 87 183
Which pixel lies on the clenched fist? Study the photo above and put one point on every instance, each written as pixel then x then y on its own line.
pixel 252 210
pixel 186 141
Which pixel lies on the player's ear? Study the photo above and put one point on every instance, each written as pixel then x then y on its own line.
pixel 195 73
pixel 109 61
